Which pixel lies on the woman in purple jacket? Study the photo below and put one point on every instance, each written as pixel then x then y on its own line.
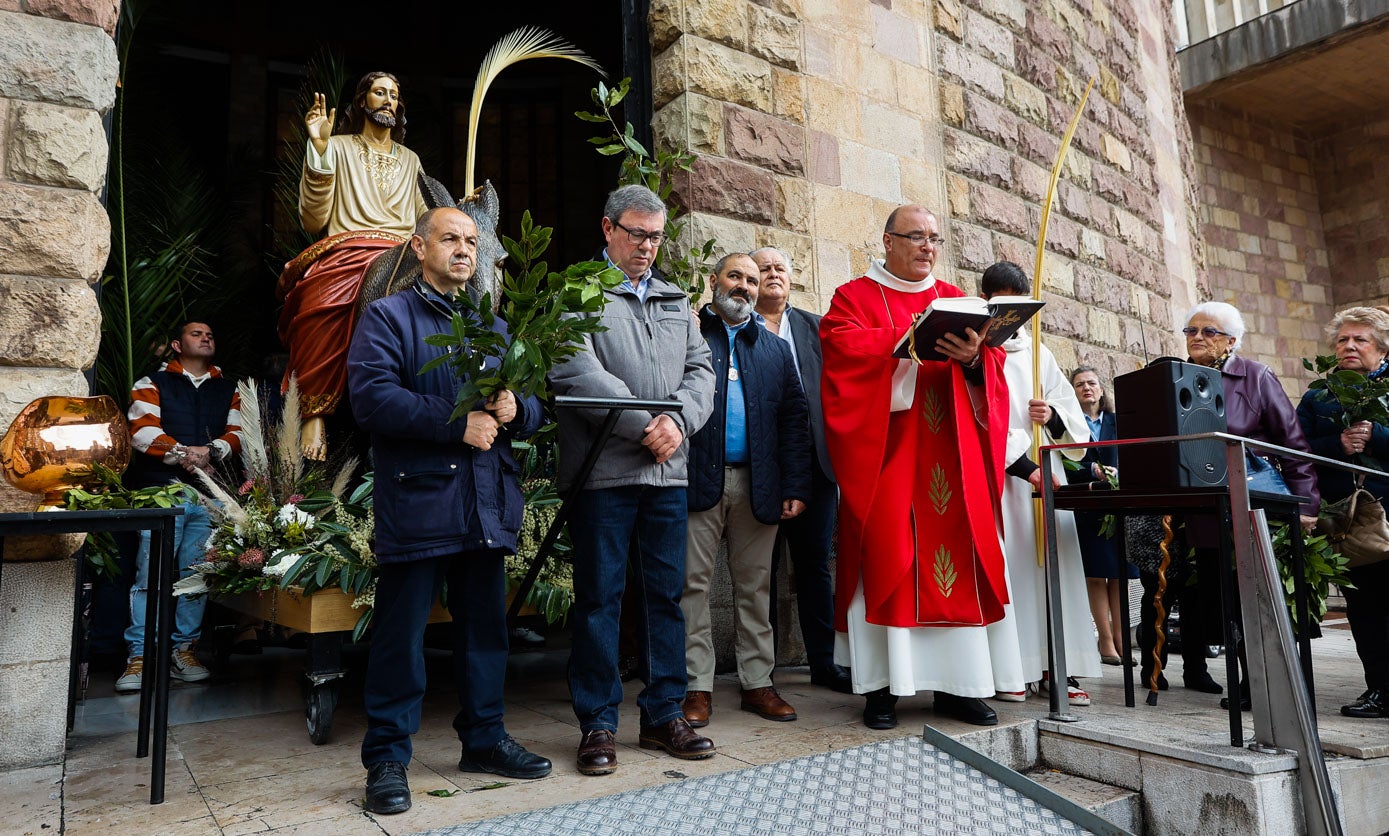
pixel 1256 407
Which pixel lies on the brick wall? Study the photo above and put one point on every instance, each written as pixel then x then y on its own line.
pixel 1262 223
pixel 1352 174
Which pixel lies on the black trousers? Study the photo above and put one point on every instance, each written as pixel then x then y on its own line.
pixel 395 682
pixel 1367 609
pixel 1193 625
pixel 810 539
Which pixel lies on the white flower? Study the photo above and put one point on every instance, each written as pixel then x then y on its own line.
pixel 279 563
pixel 291 514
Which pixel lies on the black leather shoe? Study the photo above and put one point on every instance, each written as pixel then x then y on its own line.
pixel 387 789
pixel 835 678
pixel 678 739
pixel 507 758
pixel 969 709
pixel 1201 681
pixel 597 753
pixel 1372 703
pixel 880 709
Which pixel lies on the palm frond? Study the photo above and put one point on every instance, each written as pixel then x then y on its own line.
pixel 522 44
pixel 287 448
pixel 253 452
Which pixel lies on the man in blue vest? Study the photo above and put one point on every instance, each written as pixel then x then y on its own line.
pixel 749 470
pixel 183 418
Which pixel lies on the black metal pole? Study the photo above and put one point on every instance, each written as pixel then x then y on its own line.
pixel 1301 603
pixel 1225 564
pixel 1126 641
pixel 163 652
pixel 153 559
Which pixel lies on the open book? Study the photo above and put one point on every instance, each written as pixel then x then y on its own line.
pixel 1004 315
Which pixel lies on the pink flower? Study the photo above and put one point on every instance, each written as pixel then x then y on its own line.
pixel 295 499
pixel 251 559
pixel 245 487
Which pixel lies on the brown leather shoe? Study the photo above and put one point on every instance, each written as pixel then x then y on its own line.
pixel 697 707
pixel 677 738
pixel 597 753
pixel 768 704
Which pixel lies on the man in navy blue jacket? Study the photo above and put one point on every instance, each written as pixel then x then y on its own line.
pixel 749 470
pixel 447 508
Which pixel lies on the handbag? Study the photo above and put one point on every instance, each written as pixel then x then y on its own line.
pixel 1356 526
pixel 1263 476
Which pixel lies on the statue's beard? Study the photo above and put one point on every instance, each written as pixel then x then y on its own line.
pixel 382 116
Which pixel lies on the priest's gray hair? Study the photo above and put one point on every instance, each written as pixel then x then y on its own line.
pixel 635 198
pixel 1226 316
pixel 786 259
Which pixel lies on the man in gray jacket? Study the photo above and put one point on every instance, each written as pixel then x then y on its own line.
pixel 652 348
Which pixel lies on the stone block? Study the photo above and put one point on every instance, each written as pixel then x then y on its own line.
pixel 788 95
pixel 957 196
pixel 1011 13
pixel 36 602
pixel 989 39
pixel 33 711
pixel 831 267
pixel 1059 276
pixel 775 37
pixel 1029 179
pixel 690 122
pixel 52 232
pixel 985 119
pixel 916 89
pixel 973 245
pixel 19 386
pixel 950 19
pixel 856 218
pixel 1000 210
pixel 1024 99
pixel 719 72
pixel 896 35
pixel 977 159
pixel 1016 250
pixel 952 104
pixel 723 21
pixel 793 204
pixel 889 128
pixel 100 13
pixel 824 159
pixel 871 72
pixel 922 182
pixel 1223 802
pixel 56 61
pixel 668 79
pixel 1067 319
pixel 832 107
pixel 795 246
pixel 820 57
pixel 724 187
pixel 1115 152
pixel 728 235
pixel 48 322
pixel 1092 245
pixel 57 146
pixel 974 71
pixel 764 140
pixel 665 23
pixel 870 171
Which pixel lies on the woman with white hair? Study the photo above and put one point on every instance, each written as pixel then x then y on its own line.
pixel 1256 407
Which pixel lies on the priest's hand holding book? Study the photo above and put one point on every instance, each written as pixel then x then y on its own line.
pixel 957 327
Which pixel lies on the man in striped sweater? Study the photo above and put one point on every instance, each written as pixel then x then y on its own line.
pixel 183 418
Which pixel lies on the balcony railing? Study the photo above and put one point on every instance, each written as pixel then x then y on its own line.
pixel 1198 20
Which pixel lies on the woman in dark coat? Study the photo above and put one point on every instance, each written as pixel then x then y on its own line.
pixel 1360 339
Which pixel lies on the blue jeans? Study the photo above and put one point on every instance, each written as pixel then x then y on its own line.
pixel 602 526
pixel 191 532
pixel 395 685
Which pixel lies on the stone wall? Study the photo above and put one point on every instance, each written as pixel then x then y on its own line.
pixel 1262 223
pixel 1352 175
pixel 58 78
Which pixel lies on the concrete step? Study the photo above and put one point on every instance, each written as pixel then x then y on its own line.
pixel 1117 805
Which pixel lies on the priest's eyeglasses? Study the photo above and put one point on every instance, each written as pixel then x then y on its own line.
pixel 1208 332
pixel 641 236
pixel 917 239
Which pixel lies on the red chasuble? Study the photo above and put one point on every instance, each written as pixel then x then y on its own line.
pixel 919 488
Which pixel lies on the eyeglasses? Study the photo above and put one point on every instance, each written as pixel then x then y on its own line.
pixel 641 236
pixel 917 239
pixel 1208 332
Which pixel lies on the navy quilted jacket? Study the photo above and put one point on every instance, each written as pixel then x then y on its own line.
pixel 777 422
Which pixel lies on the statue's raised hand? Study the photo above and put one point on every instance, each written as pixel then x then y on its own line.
pixel 319 121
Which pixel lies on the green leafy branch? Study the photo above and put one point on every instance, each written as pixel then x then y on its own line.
pixel 1360 397
pixel 537 305
pixel 1322 566
pixel 108 494
pixel 683 267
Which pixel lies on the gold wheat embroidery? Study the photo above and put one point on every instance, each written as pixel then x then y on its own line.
pixel 945 572
pixel 933 410
pixel 940 490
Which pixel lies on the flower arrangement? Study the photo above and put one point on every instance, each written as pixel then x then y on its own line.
pixel 289 522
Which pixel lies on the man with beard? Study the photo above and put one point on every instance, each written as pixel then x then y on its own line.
pixel 808 537
pixel 359 191
pixel 749 470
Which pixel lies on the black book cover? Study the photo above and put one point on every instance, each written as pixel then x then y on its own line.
pixel 1003 315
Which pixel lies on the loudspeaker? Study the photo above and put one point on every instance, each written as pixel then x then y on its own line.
pixel 1170 398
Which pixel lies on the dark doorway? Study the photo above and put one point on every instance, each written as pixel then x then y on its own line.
pixel 218 83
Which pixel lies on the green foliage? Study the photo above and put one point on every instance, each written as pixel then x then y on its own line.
pixel 1322 567
pixel 108 494
pixel 1360 398
pixel 683 267
pixel 535 302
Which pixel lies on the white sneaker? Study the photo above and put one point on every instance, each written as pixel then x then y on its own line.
pixel 187 667
pixel 1075 695
pixel 131 679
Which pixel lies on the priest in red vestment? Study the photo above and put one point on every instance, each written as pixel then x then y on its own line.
pixel 919 449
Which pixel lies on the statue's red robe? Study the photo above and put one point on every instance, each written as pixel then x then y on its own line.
pixel 919 488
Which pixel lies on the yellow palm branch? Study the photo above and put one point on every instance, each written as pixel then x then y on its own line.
pixel 523 44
